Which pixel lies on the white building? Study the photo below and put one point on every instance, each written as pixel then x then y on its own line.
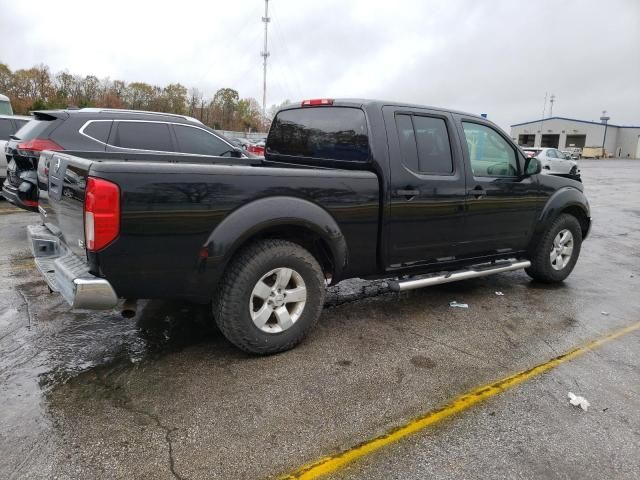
pixel 558 132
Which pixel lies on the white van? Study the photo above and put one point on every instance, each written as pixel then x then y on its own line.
pixel 5 105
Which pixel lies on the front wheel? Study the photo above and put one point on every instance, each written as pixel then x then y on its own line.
pixel 557 252
pixel 270 296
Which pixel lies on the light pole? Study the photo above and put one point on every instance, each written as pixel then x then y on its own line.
pixel 604 119
pixel 265 54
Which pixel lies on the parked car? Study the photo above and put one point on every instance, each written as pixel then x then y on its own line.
pixel 348 188
pixel 257 148
pixel 99 131
pixel 5 105
pixel 240 142
pixel 553 161
pixel 574 152
pixel 9 124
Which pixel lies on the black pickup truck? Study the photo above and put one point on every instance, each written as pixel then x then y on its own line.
pixel 347 188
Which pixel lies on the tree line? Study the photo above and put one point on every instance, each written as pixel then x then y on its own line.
pixel 37 88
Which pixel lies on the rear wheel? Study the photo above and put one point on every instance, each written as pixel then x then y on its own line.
pixel 270 297
pixel 557 253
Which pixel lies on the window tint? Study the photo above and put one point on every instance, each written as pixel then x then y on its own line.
pixel 408 146
pixel 336 133
pixel 6 128
pixel 33 129
pixel 489 153
pixel 550 153
pixel 199 142
pixel 20 123
pixel 143 136
pixel 424 142
pixel 98 130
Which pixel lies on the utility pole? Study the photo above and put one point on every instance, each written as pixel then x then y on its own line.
pixel 604 119
pixel 265 54
pixel 544 109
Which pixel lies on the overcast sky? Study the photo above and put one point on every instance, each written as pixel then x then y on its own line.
pixel 494 57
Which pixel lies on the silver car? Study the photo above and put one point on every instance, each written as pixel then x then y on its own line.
pixel 553 161
pixel 9 124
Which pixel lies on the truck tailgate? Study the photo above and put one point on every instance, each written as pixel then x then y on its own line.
pixel 62 181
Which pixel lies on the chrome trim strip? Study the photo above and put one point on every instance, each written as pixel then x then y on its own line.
pixel 86 124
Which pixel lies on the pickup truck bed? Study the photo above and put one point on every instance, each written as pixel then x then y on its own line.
pixel 168 214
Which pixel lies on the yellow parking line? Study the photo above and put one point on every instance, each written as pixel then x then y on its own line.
pixel 333 463
pixel 11 210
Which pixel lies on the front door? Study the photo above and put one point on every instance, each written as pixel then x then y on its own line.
pixel 427 187
pixel 502 204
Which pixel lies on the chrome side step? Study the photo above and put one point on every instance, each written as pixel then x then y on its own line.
pixel 473 272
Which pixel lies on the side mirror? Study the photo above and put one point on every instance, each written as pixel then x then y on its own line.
pixel 532 166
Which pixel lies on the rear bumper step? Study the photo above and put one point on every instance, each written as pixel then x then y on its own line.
pixel 472 272
pixel 67 274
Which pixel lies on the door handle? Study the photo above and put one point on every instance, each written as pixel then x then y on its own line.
pixel 407 193
pixel 478 191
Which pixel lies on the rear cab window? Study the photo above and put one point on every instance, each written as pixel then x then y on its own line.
pixel 320 133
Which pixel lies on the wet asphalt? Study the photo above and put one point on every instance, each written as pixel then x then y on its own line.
pixel 92 395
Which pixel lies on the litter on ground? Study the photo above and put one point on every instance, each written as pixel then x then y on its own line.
pixel 578 401
pixel 500 294
pixel 458 305
pixel 606 314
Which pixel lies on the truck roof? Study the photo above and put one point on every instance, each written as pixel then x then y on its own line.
pixel 374 103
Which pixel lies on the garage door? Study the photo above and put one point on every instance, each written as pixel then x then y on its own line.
pixel 550 141
pixel 575 141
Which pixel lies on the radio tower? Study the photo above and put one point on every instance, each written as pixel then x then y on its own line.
pixel 265 54
pixel 551 101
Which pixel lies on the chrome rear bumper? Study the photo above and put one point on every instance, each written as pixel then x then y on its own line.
pixel 67 274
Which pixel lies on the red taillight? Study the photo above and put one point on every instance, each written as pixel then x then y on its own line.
pixel 38 145
pixel 255 149
pixel 101 213
pixel 317 101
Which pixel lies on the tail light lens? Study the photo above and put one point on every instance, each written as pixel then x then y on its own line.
pixel 37 145
pixel 101 213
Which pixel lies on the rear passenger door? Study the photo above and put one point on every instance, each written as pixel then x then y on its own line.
pixel 501 203
pixel 427 188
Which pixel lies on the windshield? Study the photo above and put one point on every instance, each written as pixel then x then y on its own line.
pixel 5 108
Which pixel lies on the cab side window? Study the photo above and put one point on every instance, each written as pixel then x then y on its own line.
pixel 490 154
pixel 424 144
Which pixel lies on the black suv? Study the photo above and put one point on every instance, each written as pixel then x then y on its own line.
pixel 101 132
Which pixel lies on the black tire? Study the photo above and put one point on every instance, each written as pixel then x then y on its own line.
pixel 231 306
pixel 541 268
